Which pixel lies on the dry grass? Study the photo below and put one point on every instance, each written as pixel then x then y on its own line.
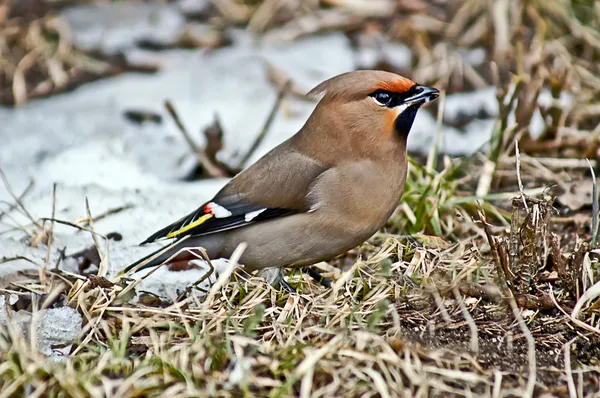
pixel 459 315
pixel 400 321
pixel 493 296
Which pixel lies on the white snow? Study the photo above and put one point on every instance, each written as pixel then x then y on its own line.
pixel 471 104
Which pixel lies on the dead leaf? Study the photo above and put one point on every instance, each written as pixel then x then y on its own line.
pixel 99 281
pixel 214 139
pixel 87 257
pixel 41 237
pixel 150 300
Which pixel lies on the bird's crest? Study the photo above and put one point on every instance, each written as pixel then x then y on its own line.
pixel 359 84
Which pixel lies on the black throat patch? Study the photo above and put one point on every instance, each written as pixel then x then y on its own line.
pixel 405 120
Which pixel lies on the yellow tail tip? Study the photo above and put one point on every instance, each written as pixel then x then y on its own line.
pixel 189 226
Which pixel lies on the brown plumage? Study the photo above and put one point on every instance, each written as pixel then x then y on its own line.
pixel 322 192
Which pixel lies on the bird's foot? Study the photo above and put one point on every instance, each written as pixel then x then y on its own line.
pixel 275 278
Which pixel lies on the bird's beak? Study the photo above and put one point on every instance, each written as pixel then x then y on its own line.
pixel 423 95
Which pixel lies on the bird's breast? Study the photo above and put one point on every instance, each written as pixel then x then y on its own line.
pixel 360 196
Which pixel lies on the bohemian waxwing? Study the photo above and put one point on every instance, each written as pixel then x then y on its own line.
pixel 322 192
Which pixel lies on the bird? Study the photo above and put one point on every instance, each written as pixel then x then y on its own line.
pixel 320 193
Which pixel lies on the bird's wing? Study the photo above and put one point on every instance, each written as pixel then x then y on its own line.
pixel 275 186
pixel 218 215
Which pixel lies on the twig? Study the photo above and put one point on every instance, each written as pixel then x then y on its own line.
pixel 318 21
pixel 15 258
pixel 62 274
pixel 49 238
pixel 520 182
pixel 109 212
pixel 594 207
pixel 485 179
pixel 202 278
pixel 261 136
pixel 469 319
pixel 21 197
pixel 103 266
pixel 433 153
pixel 17 200
pixel 557 163
pixel 501 270
pixel 364 8
pixel 530 347
pixel 576 321
pixel 500 17
pixel 211 169
pixel 71 224
pixel 497 384
pixel 439 301
pixel 182 316
pixel 157 267
pixel 224 277
pixel 61 256
pixel 52 295
pixel 171 109
pixel 513 239
pixel 569 369
pixel 588 296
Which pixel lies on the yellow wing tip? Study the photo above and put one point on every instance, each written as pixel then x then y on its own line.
pixel 189 226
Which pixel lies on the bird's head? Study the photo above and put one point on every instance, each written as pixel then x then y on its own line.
pixel 371 101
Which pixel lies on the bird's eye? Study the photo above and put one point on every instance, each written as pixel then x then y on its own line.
pixel 382 98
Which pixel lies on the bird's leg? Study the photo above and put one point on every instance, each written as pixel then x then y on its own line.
pixel 286 286
pixel 411 239
pixel 274 276
pixel 320 279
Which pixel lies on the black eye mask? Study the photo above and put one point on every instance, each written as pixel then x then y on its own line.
pixel 392 99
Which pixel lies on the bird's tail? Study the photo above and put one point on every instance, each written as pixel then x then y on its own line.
pixel 160 256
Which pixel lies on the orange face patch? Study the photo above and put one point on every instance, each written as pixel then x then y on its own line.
pixel 390 119
pixel 391 114
pixel 400 85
